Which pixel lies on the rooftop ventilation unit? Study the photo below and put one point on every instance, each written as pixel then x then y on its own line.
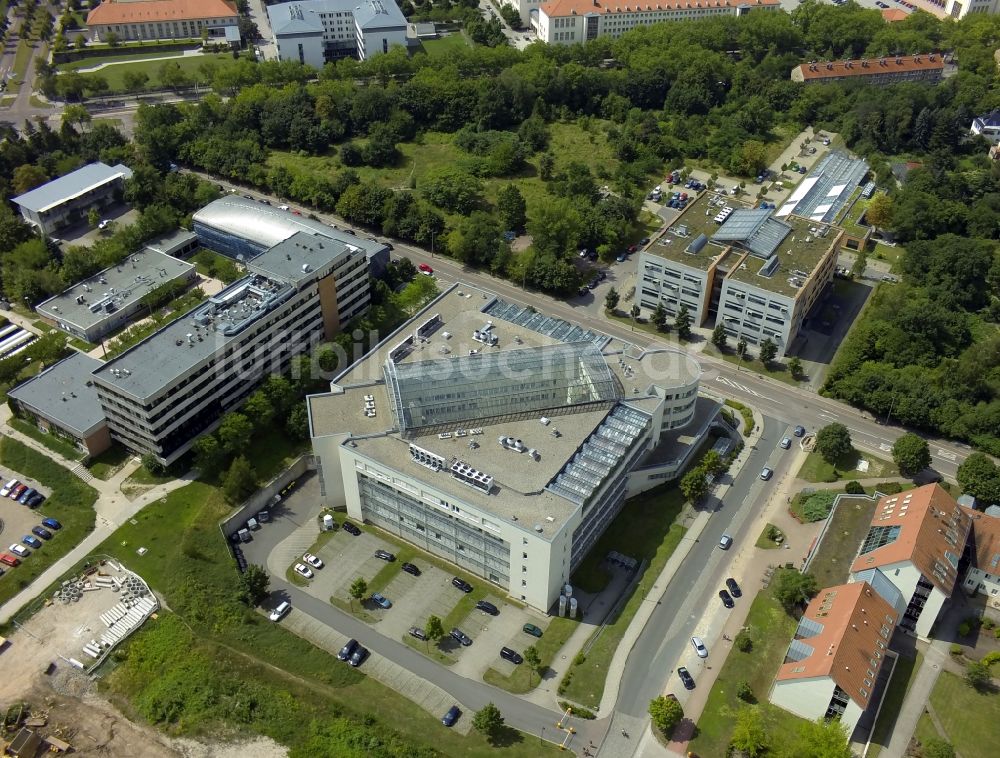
pixel 509 443
pixel 472 477
pixel 426 458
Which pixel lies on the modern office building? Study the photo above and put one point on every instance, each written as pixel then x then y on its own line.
pixel 760 274
pixel 161 19
pixel 956 9
pixel 243 229
pixel 833 663
pixel 501 439
pixel 107 301
pixel 987 126
pixel 62 400
pixel 874 71
pixel 160 394
pixel 569 21
pixel 316 31
pixel 526 9
pixel 66 200
pixel 915 541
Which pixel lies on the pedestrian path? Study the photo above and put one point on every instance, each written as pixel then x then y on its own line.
pixel 935 657
pixel 152 58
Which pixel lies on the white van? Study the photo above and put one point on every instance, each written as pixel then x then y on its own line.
pixel 252 525
pixel 9 487
pixel 279 613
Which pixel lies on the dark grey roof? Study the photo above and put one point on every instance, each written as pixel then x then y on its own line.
pixel 61 394
pixel 299 256
pixel 71 185
pixel 753 230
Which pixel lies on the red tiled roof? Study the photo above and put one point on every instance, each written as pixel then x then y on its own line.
pixel 870 66
pixel 894 14
pixel 146 11
pixel 852 617
pixel 558 8
pixel 933 529
pixel 985 540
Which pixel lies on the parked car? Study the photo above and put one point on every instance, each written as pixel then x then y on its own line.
pixel 51 523
pixel 451 716
pixel 725 541
pixel 460 636
pixel 686 678
pixel 416 631
pixel 18 491
pixel 381 601
pixel 385 555
pixel 347 650
pixel 699 647
pixel 36 500
pixel 42 532
pixel 766 473
pixel 799 431
pixel 8 488
pixel 358 656
pixel 531 629
pixel 9 560
pixel 351 528
pixel 282 207
pixel 425 269
pixel 31 541
pixel 312 560
pixel 27 495
pixel 409 568
pixel 511 655
pixel 734 588
pixel 621 257
pixel 785 443
pixel 252 524
pixel 279 613
pixel 726 599
pixel 302 570
pixel 461 584
pixel 488 607
pixel 19 550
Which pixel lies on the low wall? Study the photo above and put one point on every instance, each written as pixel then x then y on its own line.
pixel 258 500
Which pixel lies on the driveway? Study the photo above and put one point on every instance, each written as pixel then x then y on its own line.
pixel 489 634
pixel 417 598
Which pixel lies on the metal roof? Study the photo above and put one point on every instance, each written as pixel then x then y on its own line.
pixel 378 14
pixel 549 326
pixel 65 394
pixel 827 188
pixel 72 185
pixel 754 230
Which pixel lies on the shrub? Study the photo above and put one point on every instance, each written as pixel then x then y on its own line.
pixel 817 506
pixel 964 629
pixel 990 658
pixel 579 659
pixel 744 642
pixel 579 711
pixel 564 683
pixel 996 633
pixel 854 488
pixel 956 650
pixel 773 533
pixel 744 693
pixel 889 488
pixel 988 623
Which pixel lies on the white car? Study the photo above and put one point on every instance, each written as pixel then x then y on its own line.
pixel 282 207
pixel 20 550
pixel 103 224
pixel 8 487
pixel 725 541
pixel 302 570
pixel 699 647
pixel 312 560
pixel 278 613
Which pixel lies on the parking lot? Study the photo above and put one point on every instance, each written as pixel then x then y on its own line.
pixel 16 520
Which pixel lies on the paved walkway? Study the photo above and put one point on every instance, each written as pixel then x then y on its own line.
pixel 935 658
pixel 154 59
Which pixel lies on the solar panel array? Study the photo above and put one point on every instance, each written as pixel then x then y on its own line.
pixel 555 328
pixel 836 169
pixel 755 230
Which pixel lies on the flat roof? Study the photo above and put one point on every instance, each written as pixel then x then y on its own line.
pixel 65 394
pixel 297 258
pixel 826 189
pixel 72 185
pixel 175 240
pixel 680 242
pixel 85 303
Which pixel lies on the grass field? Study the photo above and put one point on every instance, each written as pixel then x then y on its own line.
pixel 108 463
pixel 645 530
pixel 192 65
pixel 816 468
pixel 902 677
pixel 843 537
pixel 21 60
pixel 116 59
pixel 71 503
pixel 771 630
pixel 766 543
pixel 444 45
pixel 970 718
pixel 52 442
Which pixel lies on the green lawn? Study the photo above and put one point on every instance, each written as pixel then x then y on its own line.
pixel 444 45
pixel 216 266
pixel 766 543
pixel 771 630
pixel 970 718
pixel 645 529
pixel 51 441
pixel 108 463
pixel 71 503
pixel 115 75
pixel 777 370
pixel 902 677
pixel 841 542
pixel 21 59
pixel 816 468
pixel 116 59
pixel 524 679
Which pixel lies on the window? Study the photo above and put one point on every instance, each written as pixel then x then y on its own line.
pixel 868 682
pixel 864 692
pixel 524 582
pixel 524 555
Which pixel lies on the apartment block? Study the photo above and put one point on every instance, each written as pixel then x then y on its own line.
pixel 876 71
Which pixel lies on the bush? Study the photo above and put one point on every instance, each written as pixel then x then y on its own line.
pixel 988 624
pixel 744 693
pixel 996 633
pixel 964 629
pixel 854 488
pixel 889 488
pixel 990 658
pixel 744 642
pixel 577 710
pixel 817 506
pixel 956 650
pixel 579 659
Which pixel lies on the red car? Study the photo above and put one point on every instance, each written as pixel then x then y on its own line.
pixel 18 491
pixel 425 269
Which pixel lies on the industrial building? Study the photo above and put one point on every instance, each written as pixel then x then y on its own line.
pixel 107 301
pixel 502 439
pixel 66 201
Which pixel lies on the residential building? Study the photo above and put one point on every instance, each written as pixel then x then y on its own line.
pixel 983 573
pixel 987 126
pixel 66 200
pixel 161 19
pixel 502 439
pixel 526 9
pixel 832 666
pixel 956 9
pixel 243 229
pixel 162 393
pixel 569 21
pixel 62 400
pixel 873 71
pixel 316 31
pixel 915 541
pixel 105 302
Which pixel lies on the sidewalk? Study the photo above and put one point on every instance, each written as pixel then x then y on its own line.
pixel 935 657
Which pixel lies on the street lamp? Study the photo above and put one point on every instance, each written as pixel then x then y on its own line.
pixel 893 403
pixel 432 243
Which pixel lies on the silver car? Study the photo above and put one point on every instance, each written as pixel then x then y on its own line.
pixel 699 647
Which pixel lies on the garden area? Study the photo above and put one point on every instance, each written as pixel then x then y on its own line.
pixel 817 469
pixel 831 562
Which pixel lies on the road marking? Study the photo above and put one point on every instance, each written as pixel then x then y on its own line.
pixel 737 386
pixel 946 454
pixel 884 447
pixel 827 414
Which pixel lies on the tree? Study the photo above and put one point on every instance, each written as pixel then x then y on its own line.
pixel 935 747
pixel 666 713
pixel 659 317
pixel 749 736
pixel 859 265
pixel 93 217
pixel 713 463
pixel 833 442
pixel 434 630
pixel 153 465
pixel 208 455
pixel 611 300
pixel 173 76
pixel 511 208
pixel 694 485
pixel 980 477
pixel 240 480
pixel 27 177
pixel 795 367
pixel 235 433
pixel 135 80
pixel 911 453
pixel 489 721
pixel 358 589
pixel 792 589
pixel 741 347
pixel 259 410
pixel 682 323
pixel 254 583
pixel 546 165
pixel 452 189
pixel 719 336
pixel 112 39
pixel 75 114
pixel 977 675
pixel 821 739
pixel 634 311
pixel 879 211
pixel 767 351
pixel 533 661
